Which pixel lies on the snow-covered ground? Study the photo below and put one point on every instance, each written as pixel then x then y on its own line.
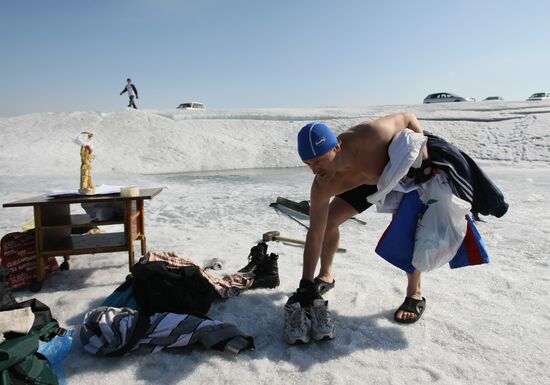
pixel 220 170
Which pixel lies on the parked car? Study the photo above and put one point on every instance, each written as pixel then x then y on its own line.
pixel 442 97
pixel 493 98
pixel 539 96
pixel 192 106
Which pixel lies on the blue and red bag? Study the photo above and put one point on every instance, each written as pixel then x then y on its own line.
pixel 396 245
pixel 472 251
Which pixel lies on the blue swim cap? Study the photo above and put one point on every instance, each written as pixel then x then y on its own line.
pixel 315 139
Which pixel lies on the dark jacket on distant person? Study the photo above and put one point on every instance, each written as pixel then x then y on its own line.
pixel 133 89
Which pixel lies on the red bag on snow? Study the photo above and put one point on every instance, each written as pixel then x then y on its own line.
pixel 18 257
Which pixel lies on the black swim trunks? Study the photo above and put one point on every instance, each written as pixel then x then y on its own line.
pixel 357 197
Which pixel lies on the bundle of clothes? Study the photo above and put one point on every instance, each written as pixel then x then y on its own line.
pixel 431 226
pixel 164 301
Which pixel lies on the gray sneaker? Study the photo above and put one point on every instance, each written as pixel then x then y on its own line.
pixel 322 327
pixel 297 325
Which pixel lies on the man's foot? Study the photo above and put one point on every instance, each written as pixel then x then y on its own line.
pixel 322 327
pixel 322 286
pixel 410 310
pixel 297 324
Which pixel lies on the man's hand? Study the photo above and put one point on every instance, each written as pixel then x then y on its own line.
pixel 305 294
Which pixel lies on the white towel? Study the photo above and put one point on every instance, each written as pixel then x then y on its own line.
pixel 16 320
pixel 405 151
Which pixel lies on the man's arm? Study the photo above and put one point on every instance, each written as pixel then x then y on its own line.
pixel 124 90
pixel 135 90
pixel 413 124
pixel 318 214
pixel 398 122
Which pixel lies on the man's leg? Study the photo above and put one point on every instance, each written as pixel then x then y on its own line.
pixel 320 324
pixel 413 291
pixel 312 317
pixel 339 212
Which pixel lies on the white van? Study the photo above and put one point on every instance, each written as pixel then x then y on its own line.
pixel 192 106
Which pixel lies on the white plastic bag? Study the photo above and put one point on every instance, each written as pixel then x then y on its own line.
pixel 441 229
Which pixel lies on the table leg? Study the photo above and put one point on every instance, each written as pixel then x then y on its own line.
pixel 40 265
pixel 142 226
pixel 128 232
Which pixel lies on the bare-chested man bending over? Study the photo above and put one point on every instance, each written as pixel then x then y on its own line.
pixel 347 168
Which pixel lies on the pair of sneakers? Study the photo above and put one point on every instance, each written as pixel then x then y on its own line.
pixel 304 323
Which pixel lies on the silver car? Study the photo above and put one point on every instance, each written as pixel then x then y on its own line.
pixel 442 97
pixel 539 96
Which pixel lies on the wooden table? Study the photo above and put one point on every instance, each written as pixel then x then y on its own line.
pixel 54 225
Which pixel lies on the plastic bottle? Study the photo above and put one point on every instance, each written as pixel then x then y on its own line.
pixel 55 351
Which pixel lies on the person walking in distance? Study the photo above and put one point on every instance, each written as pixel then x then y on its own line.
pixel 132 93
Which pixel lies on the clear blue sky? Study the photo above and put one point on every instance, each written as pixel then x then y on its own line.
pixel 68 55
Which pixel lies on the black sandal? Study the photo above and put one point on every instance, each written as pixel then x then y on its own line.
pixel 411 305
pixel 323 286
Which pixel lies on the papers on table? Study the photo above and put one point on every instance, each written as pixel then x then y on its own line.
pixel 103 189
